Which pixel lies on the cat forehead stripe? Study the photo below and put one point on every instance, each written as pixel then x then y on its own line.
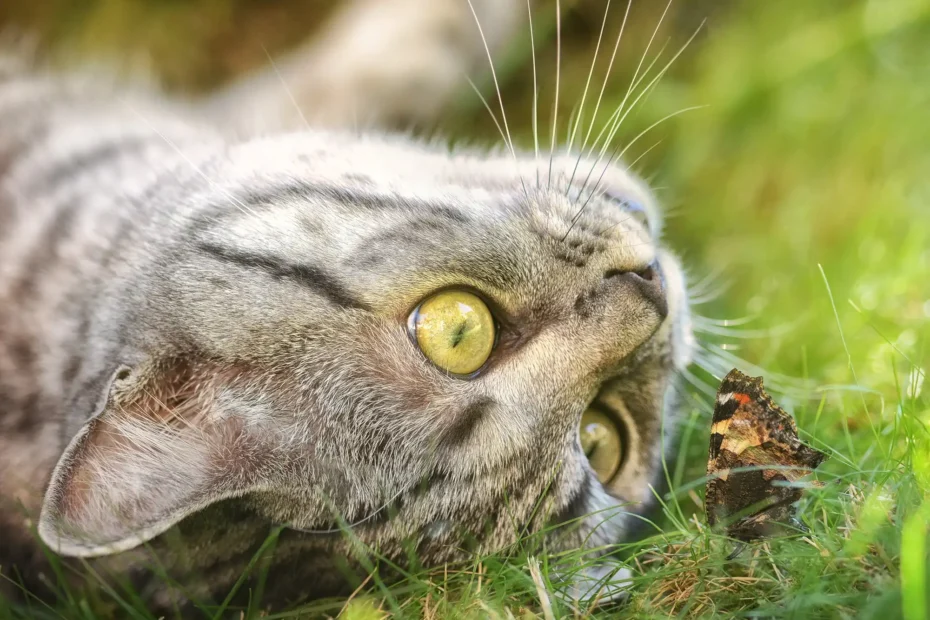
pixel 309 276
pixel 353 197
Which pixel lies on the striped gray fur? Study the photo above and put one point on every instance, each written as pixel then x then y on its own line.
pixel 203 335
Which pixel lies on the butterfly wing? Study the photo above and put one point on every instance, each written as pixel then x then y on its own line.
pixel 750 431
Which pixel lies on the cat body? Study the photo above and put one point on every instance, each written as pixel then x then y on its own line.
pixel 205 338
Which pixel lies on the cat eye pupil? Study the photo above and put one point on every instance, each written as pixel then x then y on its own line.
pixel 459 333
pixel 455 330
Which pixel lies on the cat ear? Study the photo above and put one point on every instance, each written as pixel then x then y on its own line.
pixel 169 441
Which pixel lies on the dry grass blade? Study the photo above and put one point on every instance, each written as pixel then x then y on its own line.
pixel 544 601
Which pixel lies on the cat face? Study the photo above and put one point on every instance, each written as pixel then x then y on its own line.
pixel 391 337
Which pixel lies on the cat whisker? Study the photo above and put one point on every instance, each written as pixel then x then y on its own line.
pixel 646 89
pixel 718 363
pixel 500 99
pixel 698 400
pixel 508 140
pixel 636 79
pixel 558 75
pixel 724 322
pixel 238 203
pixel 600 96
pixel 793 387
pixel 709 282
pixel 603 88
pixel 622 111
pixel 487 107
pixel 713 295
pixel 287 90
pixel 529 12
pixel 574 119
pixel 700 325
pixel 587 84
pixel 619 155
pixel 695 382
pixel 632 164
pixel 711 367
pixel 611 120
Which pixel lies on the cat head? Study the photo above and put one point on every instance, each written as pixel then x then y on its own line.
pixel 340 330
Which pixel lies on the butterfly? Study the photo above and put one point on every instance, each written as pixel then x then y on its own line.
pixel 750 433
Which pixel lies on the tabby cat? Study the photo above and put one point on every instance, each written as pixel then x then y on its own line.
pixel 215 322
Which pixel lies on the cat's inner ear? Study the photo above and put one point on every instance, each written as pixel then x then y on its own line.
pixel 171 439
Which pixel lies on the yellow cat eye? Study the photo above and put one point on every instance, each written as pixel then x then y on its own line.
pixel 600 440
pixel 455 330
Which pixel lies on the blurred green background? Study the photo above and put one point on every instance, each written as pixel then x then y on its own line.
pixel 798 193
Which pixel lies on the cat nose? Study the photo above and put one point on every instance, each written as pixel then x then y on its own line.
pixel 648 281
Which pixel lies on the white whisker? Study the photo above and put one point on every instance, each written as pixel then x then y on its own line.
pixel 487 107
pixel 709 296
pixel 529 12
pixel 615 157
pixel 587 84
pixel 611 120
pixel 790 386
pixel 558 75
pixel 610 66
pixel 239 204
pixel 697 401
pixel 600 96
pixel 744 320
pixel 508 140
pixel 633 163
pixel 500 98
pixel 708 282
pixel 634 82
pixel 616 126
pixel 697 383
pixel 742 334
pixel 287 90
pixel 573 120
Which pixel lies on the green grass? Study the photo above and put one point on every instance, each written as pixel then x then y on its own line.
pixel 802 185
